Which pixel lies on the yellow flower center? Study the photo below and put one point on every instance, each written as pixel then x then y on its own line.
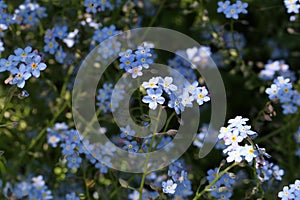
pixel 52 139
pixel 233 138
pixel 200 96
pixel 33 65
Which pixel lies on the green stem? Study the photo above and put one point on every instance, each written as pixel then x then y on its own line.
pixel 51 123
pixel 86 187
pixel 8 98
pixel 198 195
pixel 147 158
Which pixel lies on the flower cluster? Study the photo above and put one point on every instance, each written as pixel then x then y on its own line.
pixel 6 18
pixel 69 142
pixel 35 188
pixel 297 139
pixel 292 7
pixel 276 68
pixel 73 147
pixel 267 171
pixel 232 10
pixel 109 48
pixel 108 97
pixel 178 100
pixel 235 133
pixel 52 46
pixel 199 56
pixel 290 192
pixel 237 40
pixel 133 63
pixel 94 6
pixel 183 66
pixel 282 90
pixel 178 185
pixel 102 34
pixel 24 64
pixel 127 134
pixel 29 13
pixel 72 196
pixel 223 188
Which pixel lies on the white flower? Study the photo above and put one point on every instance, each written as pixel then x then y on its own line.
pixel 38 181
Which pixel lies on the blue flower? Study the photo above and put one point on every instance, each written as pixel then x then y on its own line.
pixel 102 34
pixel 166 143
pixel 272 92
pixel 135 71
pixel 51 46
pixel 29 13
pixel 60 55
pixel 183 191
pixel 166 84
pixel 127 59
pixel 232 12
pixel 201 95
pixel 30 19
pixel 103 168
pixel 292 8
pixel 174 171
pixel 241 7
pixel 186 99
pixel 109 31
pixel 143 57
pixel 223 6
pixel 74 161
pixel 23 54
pixel 176 103
pixel 91 6
pixel 20 76
pixel 227 180
pixel 131 146
pixel 153 98
pixel 108 48
pixel 286 193
pixel 53 140
pixel 127 132
pixel 68 148
pixel 212 174
pixel 8 64
pixel 289 108
pixel 60 32
pixel 34 65
pixel 72 196
pixel 169 187
pixel 74 137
